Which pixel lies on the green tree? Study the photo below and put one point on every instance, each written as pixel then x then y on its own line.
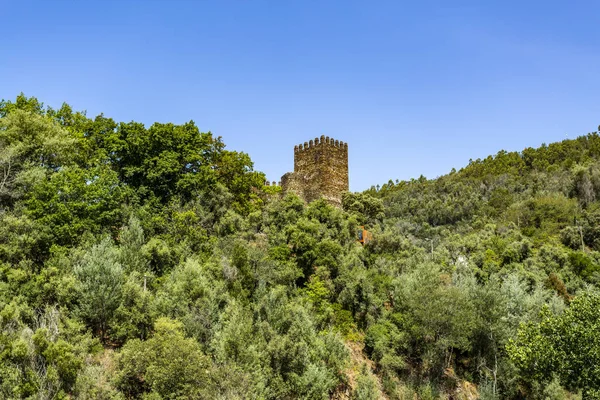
pixel 566 345
pixel 42 352
pixel 369 209
pixel 234 170
pixel 22 102
pixel 136 314
pixel 165 160
pixel 100 277
pixel 75 200
pixel 168 364
pixel 131 242
pixel 30 146
pixel 437 315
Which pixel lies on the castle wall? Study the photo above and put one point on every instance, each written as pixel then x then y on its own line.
pixel 320 170
pixel 292 183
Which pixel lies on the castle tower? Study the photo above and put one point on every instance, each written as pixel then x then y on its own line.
pixel 320 170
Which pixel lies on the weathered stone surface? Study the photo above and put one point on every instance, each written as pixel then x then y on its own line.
pixel 320 170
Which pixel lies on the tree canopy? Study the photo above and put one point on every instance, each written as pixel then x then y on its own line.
pixel 153 263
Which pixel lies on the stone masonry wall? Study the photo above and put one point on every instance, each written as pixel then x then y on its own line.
pixel 320 170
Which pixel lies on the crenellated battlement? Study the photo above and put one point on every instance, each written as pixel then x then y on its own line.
pixel 319 142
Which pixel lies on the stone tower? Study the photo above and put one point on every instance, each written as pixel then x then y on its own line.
pixel 320 170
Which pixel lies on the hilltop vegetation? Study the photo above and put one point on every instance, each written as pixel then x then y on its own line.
pixel 152 263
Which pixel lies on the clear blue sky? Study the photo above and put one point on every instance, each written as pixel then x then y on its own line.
pixel 414 87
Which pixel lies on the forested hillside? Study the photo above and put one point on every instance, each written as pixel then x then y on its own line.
pixel 152 263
